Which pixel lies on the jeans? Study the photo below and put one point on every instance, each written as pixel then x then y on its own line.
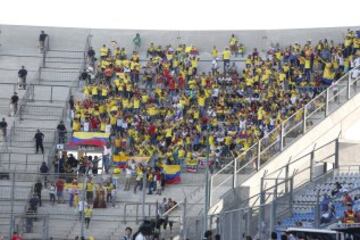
pixel 71 199
pixel 106 163
pixel 139 184
pixel 52 198
pixel 307 74
pixel 226 65
pixel 152 187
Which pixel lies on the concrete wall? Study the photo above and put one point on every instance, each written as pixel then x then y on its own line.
pixel 74 38
pixel 349 152
pixel 328 130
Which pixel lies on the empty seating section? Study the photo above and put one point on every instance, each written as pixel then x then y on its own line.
pixel 305 201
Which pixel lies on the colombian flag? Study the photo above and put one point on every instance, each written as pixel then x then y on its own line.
pixel 98 139
pixel 120 160
pixel 172 174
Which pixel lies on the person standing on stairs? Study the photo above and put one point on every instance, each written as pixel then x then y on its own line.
pixel 13 104
pixel 39 139
pixel 44 171
pixel 3 128
pixel 22 73
pixel 88 214
pixel 42 38
pixel 37 190
pixel 61 130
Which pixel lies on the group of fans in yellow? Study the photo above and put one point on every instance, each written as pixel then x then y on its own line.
pixel 161 106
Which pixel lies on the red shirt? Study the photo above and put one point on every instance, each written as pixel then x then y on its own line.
pixel 171 83
pixel 60 185
pixel 181 82
pixel 94 123
pixel 16 237
pixel 152 129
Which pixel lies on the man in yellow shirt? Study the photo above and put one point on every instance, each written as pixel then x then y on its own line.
pixel 104 52
pixel 87 216
pixel 226 58
pixel 214 52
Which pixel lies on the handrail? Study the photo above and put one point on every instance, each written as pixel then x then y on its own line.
pixel 303 156
pixel 171 209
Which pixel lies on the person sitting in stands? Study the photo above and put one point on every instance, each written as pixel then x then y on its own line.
pixel 347 199
pixel 324 205
pixel 349 215
pixel 328 215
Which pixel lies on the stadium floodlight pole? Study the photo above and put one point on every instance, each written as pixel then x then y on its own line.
pixel 207 176
pixel 83 202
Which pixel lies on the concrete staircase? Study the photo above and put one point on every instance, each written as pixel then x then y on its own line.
pixel 43 109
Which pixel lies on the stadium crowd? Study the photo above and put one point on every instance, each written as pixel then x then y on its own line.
pixel 164 106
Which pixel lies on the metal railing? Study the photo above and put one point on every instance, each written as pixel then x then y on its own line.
pixel 21 161
pixel 277 193
pixel 58 75
pixel 285 134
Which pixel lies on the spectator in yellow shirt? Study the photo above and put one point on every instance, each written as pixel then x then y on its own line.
pixel 226 59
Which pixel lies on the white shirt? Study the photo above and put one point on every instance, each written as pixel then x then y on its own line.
pixel 242 124
pixel 128 172
pixel 108 128
pixel 107 151
pixel 140 237
pixel 86 126
pixel 82 205
pixel 215 92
